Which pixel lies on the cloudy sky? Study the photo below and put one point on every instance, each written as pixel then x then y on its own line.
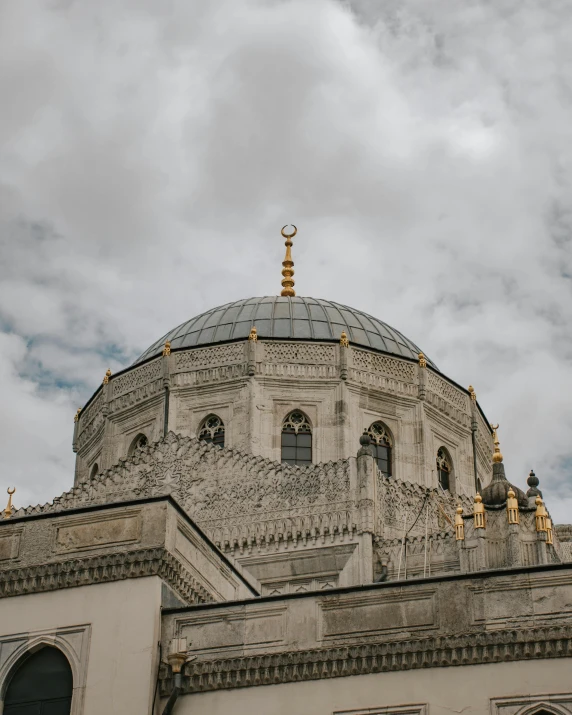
pixel 151 151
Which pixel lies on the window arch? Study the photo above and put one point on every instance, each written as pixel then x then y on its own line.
pixel 382 446
pixel 94 470
pixel 296 439
pixel 43 683
pixel 139 442
pixel 212 430
pixel 444 468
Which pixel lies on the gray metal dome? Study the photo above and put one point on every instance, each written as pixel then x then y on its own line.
pixel 286 319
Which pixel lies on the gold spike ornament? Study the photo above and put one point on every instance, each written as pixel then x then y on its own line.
pixel 479 512
pixel 344 342
pixel 167 348
pixel 497 456
pixel 107 376
pixel 540 516
pixel 422 360
pixel 288 264
pixel 512 507
pixel 472 393
pixel 8 509
pixel 253 336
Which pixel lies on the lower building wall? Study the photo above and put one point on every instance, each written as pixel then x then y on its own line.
pixel 109 632
pixel 516 688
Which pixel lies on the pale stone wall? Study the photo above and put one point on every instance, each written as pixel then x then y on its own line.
pixel 109 632
pixel 253 386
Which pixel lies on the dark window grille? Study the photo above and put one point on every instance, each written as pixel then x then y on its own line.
pixel 212 431
pixel 444 469
pixel 296 439
pixel 381 443
pixel 42 685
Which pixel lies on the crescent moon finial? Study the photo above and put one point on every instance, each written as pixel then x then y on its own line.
pixel 8 509
pixel 288 264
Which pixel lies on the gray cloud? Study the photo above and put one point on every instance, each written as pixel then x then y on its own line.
pixel 151 151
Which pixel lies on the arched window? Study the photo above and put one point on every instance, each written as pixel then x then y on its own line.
pixel 138 442
pixel 94 470
pixel 296 439
pixel 444 468
pixel 381 443
pixel 42 684
pixel 212 430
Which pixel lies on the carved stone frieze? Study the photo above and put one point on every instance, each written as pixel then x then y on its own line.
pixel 299 353
pixel 91 421
pixel 316 372
pixel 209 375
pixel 382 382
pixel 230 354
pixel 100 569
pixel 372 362
pixel 447 391
pixel 471 648
pixel 137 378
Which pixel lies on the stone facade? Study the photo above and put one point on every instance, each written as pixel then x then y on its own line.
pixel 252 386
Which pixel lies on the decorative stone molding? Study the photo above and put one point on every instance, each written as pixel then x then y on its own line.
pixel 102 569
pixel 216 356
pixel 405 654
pixel 447 391
pixel 72 641
pixel 137 378
pixel 375 363
pixel 298 353
pixel 389 710
pixel 555 704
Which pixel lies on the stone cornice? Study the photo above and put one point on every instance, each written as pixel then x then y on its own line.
pixel 471 648
pixel 103 569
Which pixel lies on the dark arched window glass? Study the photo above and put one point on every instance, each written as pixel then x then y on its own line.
pixel 444 468
pixel 296 439
pixel 212 430
pixel 94 470
pixel 381 443
pixel 138 442
pixel 42 685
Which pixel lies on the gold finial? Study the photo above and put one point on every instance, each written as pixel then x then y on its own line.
pixel 167 348
pixel 479 512
pixel 541 515
pixel 253 334
pixel 344 342
pixel 8 509
pixel 497 456
pixel 76 416
pixel 422 360
pixel 549 537
pixel 107 376
pixel 512 507
pixel 459 524
pixel 472 393
pixel 288 264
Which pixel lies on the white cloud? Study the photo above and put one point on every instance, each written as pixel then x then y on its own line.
pixel 149 153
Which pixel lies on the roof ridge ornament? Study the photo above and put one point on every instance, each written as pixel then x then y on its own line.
pixel 288 264
pixel 497 456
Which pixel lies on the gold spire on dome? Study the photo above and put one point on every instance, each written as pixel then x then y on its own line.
pixel 288 264
pixel 8 509
pixel 497 456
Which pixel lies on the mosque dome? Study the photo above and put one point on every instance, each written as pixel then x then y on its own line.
pixel 286 318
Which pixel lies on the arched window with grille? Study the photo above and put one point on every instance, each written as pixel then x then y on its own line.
pixel 296 442
pixel 212 430
pixel 139 441
pixel 43 683
pixel 382 447
pixel 444 468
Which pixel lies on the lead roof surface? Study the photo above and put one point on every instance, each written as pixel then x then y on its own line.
pixel 286 318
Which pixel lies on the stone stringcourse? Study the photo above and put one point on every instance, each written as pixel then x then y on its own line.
pixel 440 651
pixel 103 569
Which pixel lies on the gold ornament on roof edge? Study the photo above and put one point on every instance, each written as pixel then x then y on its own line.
pixel 107 376
pixel 8 509
pixel 167 348
pixel 344 342
pixel 497 456
pixel 472 393
pixel 512 507
pixel 540 516
pixel 288 264
pixel 479 512
pixel 253 334
pixel 76 416
pixel 459 524
pixel 422 360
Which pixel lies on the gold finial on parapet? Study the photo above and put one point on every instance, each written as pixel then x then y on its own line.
pixel 288 264
pixel 167 348
pixel 253 334
pixel 344 342
pixel 472 393
pixel 497 456
pixel 76 416
pixel 512 507
pixel 459 524
pixel 479 512
pixel 107 376
pixel 549 537
pixel 541 515
pixel 8 509
pixel 422 360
